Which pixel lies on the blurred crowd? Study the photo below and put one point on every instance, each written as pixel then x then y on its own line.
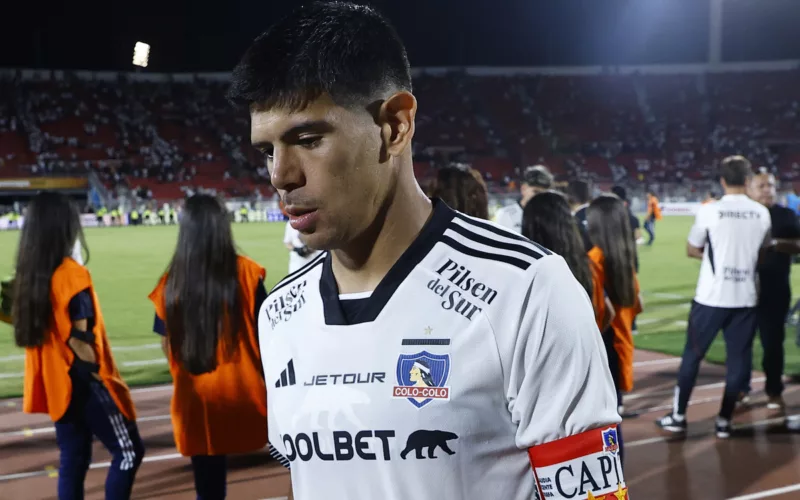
pixel 163 139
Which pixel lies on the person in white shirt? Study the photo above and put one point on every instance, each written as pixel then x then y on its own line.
pixel 728 236
pixel 535 179
pixel 424 353
pixel 299 253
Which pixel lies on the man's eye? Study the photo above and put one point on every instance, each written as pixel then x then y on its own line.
pixel 310 142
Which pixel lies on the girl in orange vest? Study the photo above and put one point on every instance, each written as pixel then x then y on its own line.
pixel 206 309
pixel 70 373
pixel 548 221
pixel 613 255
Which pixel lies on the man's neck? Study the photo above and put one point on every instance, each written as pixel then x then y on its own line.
pixel 362 266
pixel 735 190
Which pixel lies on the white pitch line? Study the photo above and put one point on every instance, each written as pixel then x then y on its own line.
pixel 769 493
pixel 124 364
pixel 124 348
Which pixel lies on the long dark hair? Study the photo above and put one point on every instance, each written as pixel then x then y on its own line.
pixel 50 229
pixel 202 294
pixel 610 230
pixel 463 189
pixel 547 220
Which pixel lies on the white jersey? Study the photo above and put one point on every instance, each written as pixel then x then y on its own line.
pixel 510 217
pixel 475 357
pixel 291 236
pixel 731 231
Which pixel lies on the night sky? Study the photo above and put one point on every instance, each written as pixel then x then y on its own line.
pixel 204 35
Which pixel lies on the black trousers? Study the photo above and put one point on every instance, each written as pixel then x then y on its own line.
pixel 613 365
pixel 771 312
pixel 738 327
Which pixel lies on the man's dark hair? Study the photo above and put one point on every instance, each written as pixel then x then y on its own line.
pixel 347 51
pixel 621 193
pixel 735 170
pixel 580 192
pixel 538 176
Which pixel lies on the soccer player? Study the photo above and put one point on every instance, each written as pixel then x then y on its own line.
pixel 535 179
pixel 425 353
pixel 580 194
pixel 70 373
pixel 727 236
pixel 775 291
pixel 206 307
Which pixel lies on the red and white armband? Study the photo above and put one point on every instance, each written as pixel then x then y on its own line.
pixel 585 466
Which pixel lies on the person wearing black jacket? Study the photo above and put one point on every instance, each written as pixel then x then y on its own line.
pixel 775 290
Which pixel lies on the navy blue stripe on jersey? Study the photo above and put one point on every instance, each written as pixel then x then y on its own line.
pixel 455 245
pixel 274 453
pixel 500 232
pixel 527 250
pixel 300 272
pixel 329 291
pixel 426 342
pixel 710 252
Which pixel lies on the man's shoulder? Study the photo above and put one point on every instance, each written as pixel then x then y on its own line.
pixel 478 258
pixel 291 293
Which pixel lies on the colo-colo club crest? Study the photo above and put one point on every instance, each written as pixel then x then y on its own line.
pixel 421 377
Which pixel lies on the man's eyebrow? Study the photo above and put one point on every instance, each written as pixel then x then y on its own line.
pixel 318 126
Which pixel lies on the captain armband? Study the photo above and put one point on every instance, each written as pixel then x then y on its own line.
pixel 585 466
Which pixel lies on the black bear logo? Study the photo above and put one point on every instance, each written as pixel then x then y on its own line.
pixel 428 439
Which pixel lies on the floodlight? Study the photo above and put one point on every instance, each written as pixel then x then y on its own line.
pixel 141 54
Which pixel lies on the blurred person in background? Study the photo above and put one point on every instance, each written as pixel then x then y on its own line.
pixel 70 373
pixel 622 194
pixel 728 236
pixel 653 215
pixel 299 253
pixel 463 189
pixel 206 308
pixel 580 194
pixel 775 291
pixel 535 179
pixel 547 220
pixel 613 252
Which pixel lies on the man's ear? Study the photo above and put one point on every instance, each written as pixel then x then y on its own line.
pixel 396 118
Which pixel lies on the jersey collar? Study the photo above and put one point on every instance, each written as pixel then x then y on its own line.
pixel 419 248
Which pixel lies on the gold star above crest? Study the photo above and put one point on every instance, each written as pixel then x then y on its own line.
pixel 590 496
pixel 621 493
pixel 428 330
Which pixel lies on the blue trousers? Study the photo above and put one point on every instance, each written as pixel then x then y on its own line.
pixel 210 476
pixel 738 327
pixel 92 412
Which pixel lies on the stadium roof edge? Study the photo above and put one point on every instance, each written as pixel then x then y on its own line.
pixel 645 69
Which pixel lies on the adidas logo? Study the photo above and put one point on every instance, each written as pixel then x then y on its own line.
pixel 287 376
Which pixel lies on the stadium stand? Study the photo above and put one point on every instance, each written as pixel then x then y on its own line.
pixel 159 136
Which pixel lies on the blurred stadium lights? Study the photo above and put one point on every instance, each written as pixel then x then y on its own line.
pixel 141 54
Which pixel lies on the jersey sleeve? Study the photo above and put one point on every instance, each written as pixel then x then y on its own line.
pixel 699 231
pixel 504 219
pixel 560 391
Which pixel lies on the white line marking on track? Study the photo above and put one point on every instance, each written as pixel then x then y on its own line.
pixel 49 430
pixel 749 425
pixel 769 493
pixel 665 361
pixel 11 375
pixel 155 388
pixel 715 385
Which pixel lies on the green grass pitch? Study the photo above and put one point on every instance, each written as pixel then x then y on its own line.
pixel 126 263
